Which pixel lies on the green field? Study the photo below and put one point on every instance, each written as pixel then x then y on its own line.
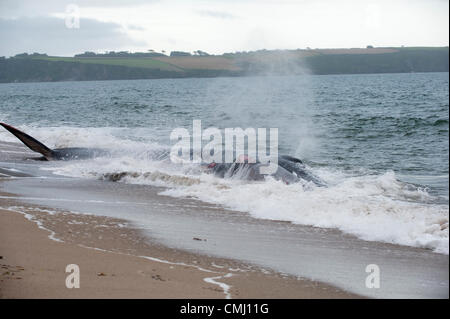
pixel 142 62
pixel 35 67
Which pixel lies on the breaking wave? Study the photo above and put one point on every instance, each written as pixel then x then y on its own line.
pixel 374 207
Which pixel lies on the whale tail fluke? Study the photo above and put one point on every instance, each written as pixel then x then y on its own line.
pixel 29 141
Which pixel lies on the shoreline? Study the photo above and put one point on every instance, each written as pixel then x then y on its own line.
pixel 214 77
pixel 117 261
pixel 382 60
pixel 266 258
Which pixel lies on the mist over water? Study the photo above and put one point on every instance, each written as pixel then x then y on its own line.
pixel 379 141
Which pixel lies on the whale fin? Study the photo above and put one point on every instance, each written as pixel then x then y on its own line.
pixel 29 141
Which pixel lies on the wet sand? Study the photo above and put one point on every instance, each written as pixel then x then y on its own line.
pixel 185 243
pixel 116 261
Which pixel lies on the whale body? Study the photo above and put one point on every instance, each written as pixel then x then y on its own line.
pixel 290 169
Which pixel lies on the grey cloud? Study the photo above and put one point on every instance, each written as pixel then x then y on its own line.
pixel 50 35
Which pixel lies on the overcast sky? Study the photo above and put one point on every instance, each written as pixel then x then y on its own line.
pixel 217 26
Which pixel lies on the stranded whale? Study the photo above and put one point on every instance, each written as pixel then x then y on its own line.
pixel 69 153
pixel 290 169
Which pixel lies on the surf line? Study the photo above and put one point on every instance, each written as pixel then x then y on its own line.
pixel 211 280
pixel 33 218
pixel 225 287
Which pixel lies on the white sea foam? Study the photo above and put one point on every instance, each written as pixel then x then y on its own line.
pixel 225 287
pixel 30 217
pixel 369 206
pixel 99 137
pixel 377 208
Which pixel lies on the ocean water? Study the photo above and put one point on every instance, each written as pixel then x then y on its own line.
pixel 380 142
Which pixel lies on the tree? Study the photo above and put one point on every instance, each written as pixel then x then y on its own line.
pixel 179 53
pixel 201 53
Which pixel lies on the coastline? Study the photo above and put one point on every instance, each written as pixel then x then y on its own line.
pixel 133 229
pixel 117 261
pixel 316 61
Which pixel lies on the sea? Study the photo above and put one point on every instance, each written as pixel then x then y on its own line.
pixel 379 142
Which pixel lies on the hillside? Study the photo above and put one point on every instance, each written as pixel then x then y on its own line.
pixel 37 67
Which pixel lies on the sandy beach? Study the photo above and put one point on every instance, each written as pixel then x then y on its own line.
pixel 129 241
pixel 36 246
pixel 192 155
pixel 116 259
